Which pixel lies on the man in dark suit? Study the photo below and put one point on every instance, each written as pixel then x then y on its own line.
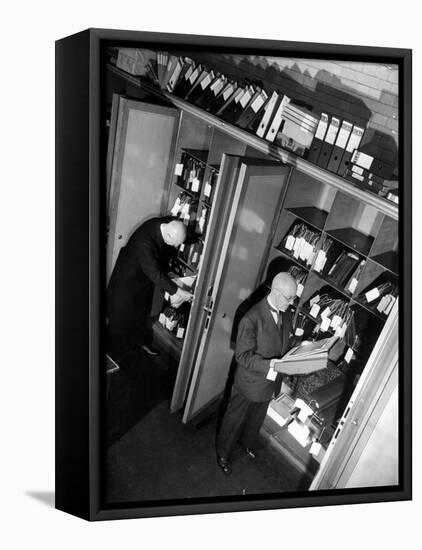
pixel 141 266
pixel 264 334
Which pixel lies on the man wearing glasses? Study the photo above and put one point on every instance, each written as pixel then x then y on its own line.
pixel 265 334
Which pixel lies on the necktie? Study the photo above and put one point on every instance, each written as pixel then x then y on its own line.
pixel 278 315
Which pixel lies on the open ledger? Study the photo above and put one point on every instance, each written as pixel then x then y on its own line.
pixel 306 358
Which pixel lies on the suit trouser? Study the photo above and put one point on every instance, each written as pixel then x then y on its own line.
pixel 241 423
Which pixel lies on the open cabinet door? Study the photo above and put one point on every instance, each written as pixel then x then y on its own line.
pixel 238 244
pixel 141 146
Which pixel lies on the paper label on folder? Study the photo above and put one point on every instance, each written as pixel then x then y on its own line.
pixel 314 310
pixel 245 98
pixel 355 139
pixel 240 93
pixel 206 81
pixel 228 92
pixel 349 355
pixel 259 102
pixel 195 74
pixel 372 295
pixel 325 325
pixel 299 290
pixel 218 87
pixel 207 190
pixel 320 261
pixel 322 126
pixel 180 332
pixel 290 241
pixel 362 159
pixel 325 312
pixel 353 284
pixel 178 169
pixel 332 131
pixel 343 134
pixel 195 184
pixel 314 300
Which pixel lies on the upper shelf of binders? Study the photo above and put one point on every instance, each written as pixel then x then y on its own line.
pixel 317 143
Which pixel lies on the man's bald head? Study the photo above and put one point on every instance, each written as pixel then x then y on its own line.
pixel 174 233
pixel 283 290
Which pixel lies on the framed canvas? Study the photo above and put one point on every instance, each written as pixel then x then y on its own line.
pixel 218 202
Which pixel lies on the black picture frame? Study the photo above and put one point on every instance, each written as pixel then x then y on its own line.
pixel 80 260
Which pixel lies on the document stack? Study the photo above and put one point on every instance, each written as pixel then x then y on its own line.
pixel 306 358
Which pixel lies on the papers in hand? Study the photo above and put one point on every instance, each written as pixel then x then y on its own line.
pixel 185 282
pixel 304 359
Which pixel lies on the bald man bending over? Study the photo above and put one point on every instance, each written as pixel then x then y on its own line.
pixel 141 266
pixel 265 333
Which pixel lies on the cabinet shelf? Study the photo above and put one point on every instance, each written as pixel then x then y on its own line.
pixel 330 282
pixel 168 339
pixel 185 264
pixel 370 310
pixel 193 194
pixel 353 239
pixel 291 257
pixel 264 146
pixel 388 260
pixel 198 154
pixel 311 215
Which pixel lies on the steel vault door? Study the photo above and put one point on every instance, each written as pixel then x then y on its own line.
pixel 238 244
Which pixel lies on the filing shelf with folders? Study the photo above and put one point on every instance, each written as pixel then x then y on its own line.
pixel 347 254
pixel 334 144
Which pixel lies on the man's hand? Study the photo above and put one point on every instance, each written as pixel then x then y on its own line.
pixel 177 299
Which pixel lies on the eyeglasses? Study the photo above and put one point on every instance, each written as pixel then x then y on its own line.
pixel 289 300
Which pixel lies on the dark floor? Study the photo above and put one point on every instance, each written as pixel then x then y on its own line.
pixel 153 455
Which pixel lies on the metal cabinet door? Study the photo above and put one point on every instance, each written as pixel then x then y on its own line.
pixel 142 143
pixel 238 252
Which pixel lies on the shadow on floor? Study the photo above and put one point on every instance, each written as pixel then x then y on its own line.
pixel 45 497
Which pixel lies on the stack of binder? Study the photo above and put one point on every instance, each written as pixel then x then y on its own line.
pixel 325 140
pixel 334 143
pixel 297 129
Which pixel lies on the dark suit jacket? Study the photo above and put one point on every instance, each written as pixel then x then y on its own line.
pixel 258 341
pixel 141 265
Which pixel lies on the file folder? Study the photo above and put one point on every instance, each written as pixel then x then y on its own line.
pixel 277 120
pixel 175 75
pixel 339 146
pixel 328 143
pixel 353 143
pixel 318 140
pixel 269 110
pixel 183 83
pixel 252 109
pixel 235 108
pixel 198 89
pixel 182 71
pixel 171 64
pixel 232 97
pixel 221 92
pixel 254 123
pixel 208 95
